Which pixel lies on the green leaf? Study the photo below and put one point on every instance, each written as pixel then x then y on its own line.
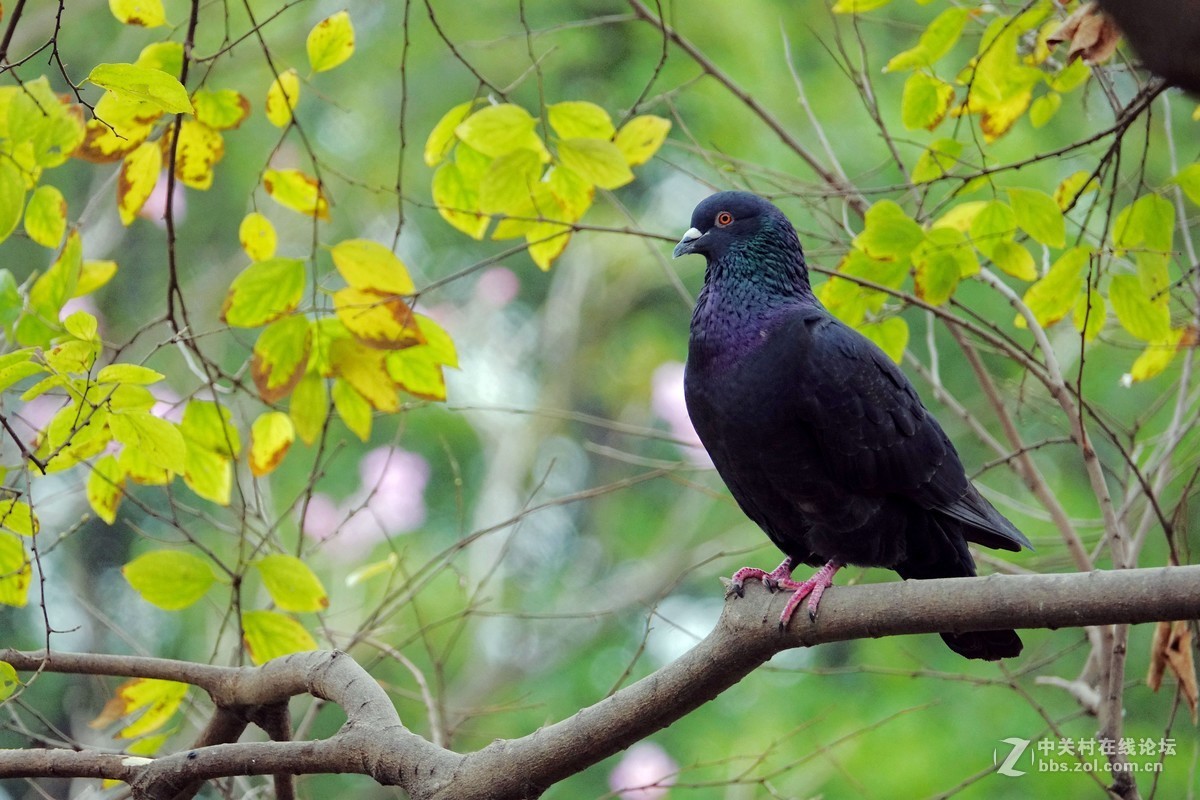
pixel 1044 108
pixel 857 6
pixel 499 129
pixel 369 265
pixel 208 474
pixel 1073 187
pixel 1188 179
pixel 1149 221
pixel 57 285
pixel 211 427
pixel 1038 215
pixel 597 161
pixel 12 196
pixel 458 201
pixel 935 41
pixel 291 584
pixel 442 138
pixel 1089 314
pixel 105 488
pixel 309 407
pixel 925 101
pixel 271 437
pixel 1057 292
pixel 352 408
pixel 508 185
pixel 641 137
pixel 331 42
pixel 221 109
pixel 995 222
pixel 890 334
pixel 269 635
pixel 93 275
pixel 129 373
pixel 8 680
pixel 936 161
pixel 143 83
pixel 417 372
pixel 575 119
pixel 280 357
pixel 440 345
pixel 158 441
pixel 169 579
pixel 16 571
pixel 164 56
pixel 889 234
pixel 1147 318
pixel 46 216
pixel 264 292
pixel 940 262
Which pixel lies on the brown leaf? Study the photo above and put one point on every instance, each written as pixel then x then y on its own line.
pixel 1172 647
pixel 1093 35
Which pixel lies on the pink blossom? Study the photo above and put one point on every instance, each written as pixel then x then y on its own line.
pixel 645 772
pixel 155 207
pixel 497 287
pixel 666 398
pixel 389 501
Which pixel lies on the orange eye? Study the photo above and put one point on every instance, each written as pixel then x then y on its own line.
pixel 723 219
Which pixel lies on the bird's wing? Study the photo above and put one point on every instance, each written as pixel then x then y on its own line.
pixel 872 434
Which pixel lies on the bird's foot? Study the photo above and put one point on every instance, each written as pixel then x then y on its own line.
pixel 812 588
pixel 781 576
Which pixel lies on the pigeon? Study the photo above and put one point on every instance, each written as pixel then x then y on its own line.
pixel 819 436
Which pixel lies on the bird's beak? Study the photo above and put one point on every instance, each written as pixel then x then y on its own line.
pixel 687 244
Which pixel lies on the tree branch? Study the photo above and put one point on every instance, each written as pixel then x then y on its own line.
pixel 374 742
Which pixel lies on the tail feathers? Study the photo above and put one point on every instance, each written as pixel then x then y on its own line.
pixel 985 645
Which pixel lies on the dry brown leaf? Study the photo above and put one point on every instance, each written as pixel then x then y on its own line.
pixel 1093 35
pixel 1172 647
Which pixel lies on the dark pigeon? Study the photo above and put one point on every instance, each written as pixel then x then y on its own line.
pixel 819 436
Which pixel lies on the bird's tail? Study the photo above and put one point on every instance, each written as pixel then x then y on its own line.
pixel 945 555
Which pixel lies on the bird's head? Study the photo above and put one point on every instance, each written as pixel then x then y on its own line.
pixel 743 235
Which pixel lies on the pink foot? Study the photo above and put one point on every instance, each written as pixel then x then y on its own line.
pixel 781 578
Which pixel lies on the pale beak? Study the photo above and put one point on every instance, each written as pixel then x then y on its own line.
pixel 687 244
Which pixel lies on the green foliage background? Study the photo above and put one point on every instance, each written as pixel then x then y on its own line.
pixel 608 568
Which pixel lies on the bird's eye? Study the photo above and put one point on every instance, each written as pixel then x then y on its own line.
pixel 723 218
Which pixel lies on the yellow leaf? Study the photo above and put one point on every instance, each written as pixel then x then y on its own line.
pixel 442 138
pixel 127 373
pixel 961 216
pixel 458 201
pixel 369 265
pixel 18 517
pixel 12 197
pixel 354 410
pixel 578 118
pixel 158 700
pixel 330 42
pixel 197 152
pixel 165 56
pixel 292 189
pixel 440 345
pixel 857 6
pixel 596 161
pixel 291 584
pixel 1156 357
pixel 46 216
pixel 271 436
pixel 208 474
pixel 890 334
pixel 145 13
pixel 137 179
pixel 169 579
pixel 309 407
pixel 282 98
pixel 93 275
pixel 257 235
pixel 925 101
pixel 416 371
pixel 156 439
pixel 363 368
pixel 269 635
pixel 641 137
pixel 221 109
pixel 1013 259
pixel 8 680
pixel 547 240
pixel 211 427
pixel 16 571
pixel 379 320
pixel 105 488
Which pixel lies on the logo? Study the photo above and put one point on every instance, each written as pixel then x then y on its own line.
pixel 1009 766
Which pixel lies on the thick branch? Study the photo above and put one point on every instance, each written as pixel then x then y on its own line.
pixel 373 742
